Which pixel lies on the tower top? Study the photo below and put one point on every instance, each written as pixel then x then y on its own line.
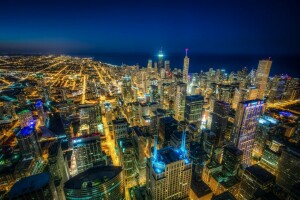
pixel 186 51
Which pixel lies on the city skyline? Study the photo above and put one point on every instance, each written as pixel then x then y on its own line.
pixel 137 100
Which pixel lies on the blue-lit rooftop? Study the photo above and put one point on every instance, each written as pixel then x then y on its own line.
pixel 27 130
pixel 166 156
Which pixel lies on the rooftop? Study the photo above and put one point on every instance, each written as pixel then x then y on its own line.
pixel 29 184
pixel 194 98
pixel 200 188
pixel 96 175
pixel 260 173
pixel 119 121
pixel 167 120
pixel 25 131
pixel 225 195
pixel 234 150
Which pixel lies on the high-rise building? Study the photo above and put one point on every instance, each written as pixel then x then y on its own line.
pixel 149 66
pixel 255 178
pixel 126 89
pixel 58 167
pixel 167 126
pixel 262 75
pixel 88 152
pixel 289 169
pixel 29 142
pixel 180 101
pixel 169 173
pixel 219 119
pixel 120 127
pixel 25 117
pixel 160 63
pixel 194 109
pixel 89 119
pixel 265 127
pixel 278 88
pixel 41 113
pixel 198 158
pixel 244 95
pixel 269 160
pixel 186 64
pixel 245 125
pixel 128 161
pixel 232 158
pixel 33 187
pixel 104 182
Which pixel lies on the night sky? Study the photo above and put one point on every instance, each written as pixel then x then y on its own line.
pixel 268 27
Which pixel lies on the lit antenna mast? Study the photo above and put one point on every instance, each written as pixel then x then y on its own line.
pixel 155 147
pixel 186 51
pixel 183 142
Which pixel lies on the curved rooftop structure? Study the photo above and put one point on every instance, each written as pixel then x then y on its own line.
pixel 92 176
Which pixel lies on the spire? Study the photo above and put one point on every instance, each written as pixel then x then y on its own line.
pixel 155 147
pixel 183 141
pixel 186 51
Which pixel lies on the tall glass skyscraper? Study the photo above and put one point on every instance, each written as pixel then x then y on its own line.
pixel 245 125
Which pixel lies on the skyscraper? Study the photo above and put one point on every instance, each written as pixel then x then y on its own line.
pixel 57 167
pixel 160 60
pixel 89 118
pixel 255 178
pixel 289 169
pixel 88 152
pixel 193 109
pixel 126 89
pixel 40 111
pixel 245 124
pixel 232 158
pixel 262 75
pixel 29 142
pixel 186 64
pixel 219 118
pixel 169 173
pixel 180 101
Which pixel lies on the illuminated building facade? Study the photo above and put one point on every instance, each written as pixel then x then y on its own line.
pixel 29 142
pixel 289 169
pixel 219 119
pixel 186 64
pixel 265 127
pixel 160 63
pixel 270 160
pixel 245 126
pixel 25 117
pixel 169 173
pixel 167 126
pixel 262 75
pixel 126 89
pixel 128 161
pixel 255 178
pixel 180 101
pixel 90 118
pixel 104 182
pixel 232 158
pixel 88 152
pixel 58 167
pixel 120 127
pixel 193 109
pixel 41 113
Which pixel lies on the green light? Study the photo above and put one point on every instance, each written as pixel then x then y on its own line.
pixel 160 55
